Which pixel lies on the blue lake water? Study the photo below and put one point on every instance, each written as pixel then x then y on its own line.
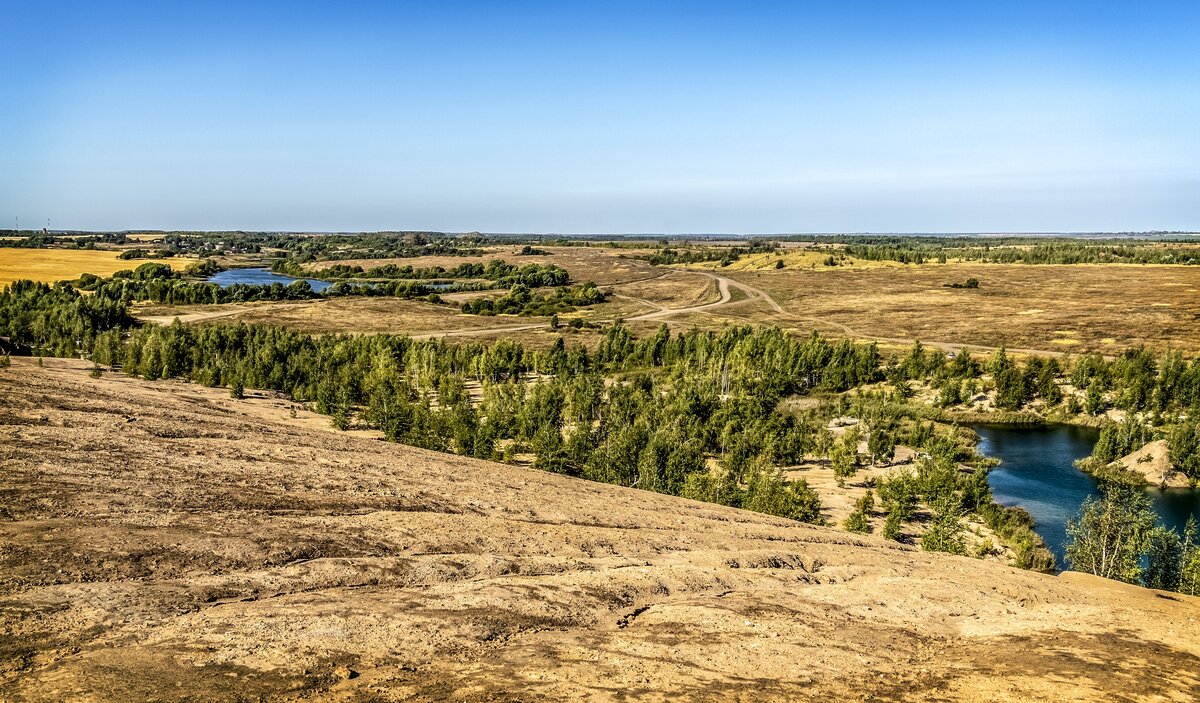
pixel 261 277
pixel 1037 473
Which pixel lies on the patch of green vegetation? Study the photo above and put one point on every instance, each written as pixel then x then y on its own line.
pixel 969 283
pixel 520 300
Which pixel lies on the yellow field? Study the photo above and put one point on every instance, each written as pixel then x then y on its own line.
pixel 796 259
pixel 50 265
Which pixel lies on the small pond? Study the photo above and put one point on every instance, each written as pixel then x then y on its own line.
pixel 1037 473
pixel 261 277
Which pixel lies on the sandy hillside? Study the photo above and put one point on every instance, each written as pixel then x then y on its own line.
pixel 1153 461
pixel 159 541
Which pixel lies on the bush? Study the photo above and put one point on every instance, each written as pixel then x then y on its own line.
pixel 891 527
pixel 767 492
pixel 945 533
pixel 857 522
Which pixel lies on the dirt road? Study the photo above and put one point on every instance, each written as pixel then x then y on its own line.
pixel 160 541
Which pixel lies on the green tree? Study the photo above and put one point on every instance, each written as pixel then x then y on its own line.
pixel 711 489
pixel 859 520
pixel 844 455
pixel 767 492
pixel 1093 400
pixel 1189 560
pixel 1109 535
pixel 1184 441
pixel 1011 390
pixel 892 525
pixel 881 445
pixel 945 533
pixel 1164 552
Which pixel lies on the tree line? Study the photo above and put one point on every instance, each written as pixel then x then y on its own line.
pixel 502 273
pixel 726 255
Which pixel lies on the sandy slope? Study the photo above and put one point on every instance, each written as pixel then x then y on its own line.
pixel 161 542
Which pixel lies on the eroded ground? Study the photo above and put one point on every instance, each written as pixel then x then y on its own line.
pixel 160 541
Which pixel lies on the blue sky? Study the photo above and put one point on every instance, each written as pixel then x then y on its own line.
pixel 602 117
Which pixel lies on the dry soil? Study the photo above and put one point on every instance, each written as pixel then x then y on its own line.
pixel 160 541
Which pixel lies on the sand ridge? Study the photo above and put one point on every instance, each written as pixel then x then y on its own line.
pixel 161 541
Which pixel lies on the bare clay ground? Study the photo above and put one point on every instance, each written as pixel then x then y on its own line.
pixel 159 541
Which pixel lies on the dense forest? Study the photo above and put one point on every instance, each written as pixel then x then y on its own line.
pixel 930 249
pixel 302 246
pixel 297 248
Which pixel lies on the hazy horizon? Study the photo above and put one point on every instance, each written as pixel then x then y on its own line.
pixel 662 118
pixel 744 235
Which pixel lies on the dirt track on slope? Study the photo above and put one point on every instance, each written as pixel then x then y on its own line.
pixel 160 541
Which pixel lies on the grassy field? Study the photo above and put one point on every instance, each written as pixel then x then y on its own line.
pixel 1069 308
pixel 798 258
pixel 50 265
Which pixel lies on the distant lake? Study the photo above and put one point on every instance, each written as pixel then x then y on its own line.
pixel 261 277
pixel 1037 473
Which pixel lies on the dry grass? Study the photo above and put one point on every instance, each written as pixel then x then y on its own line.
pixel 797 258
pixel 50 265
pixel 376 315
pixel 1080 308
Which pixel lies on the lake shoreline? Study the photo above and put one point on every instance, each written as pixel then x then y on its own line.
pixel 1037 472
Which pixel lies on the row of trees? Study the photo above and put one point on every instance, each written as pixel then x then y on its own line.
pixel 1017 250
pixel 502 273
pixel 726 255
pixel 158 283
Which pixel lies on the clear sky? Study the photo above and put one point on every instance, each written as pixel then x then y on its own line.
pixel 736 117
